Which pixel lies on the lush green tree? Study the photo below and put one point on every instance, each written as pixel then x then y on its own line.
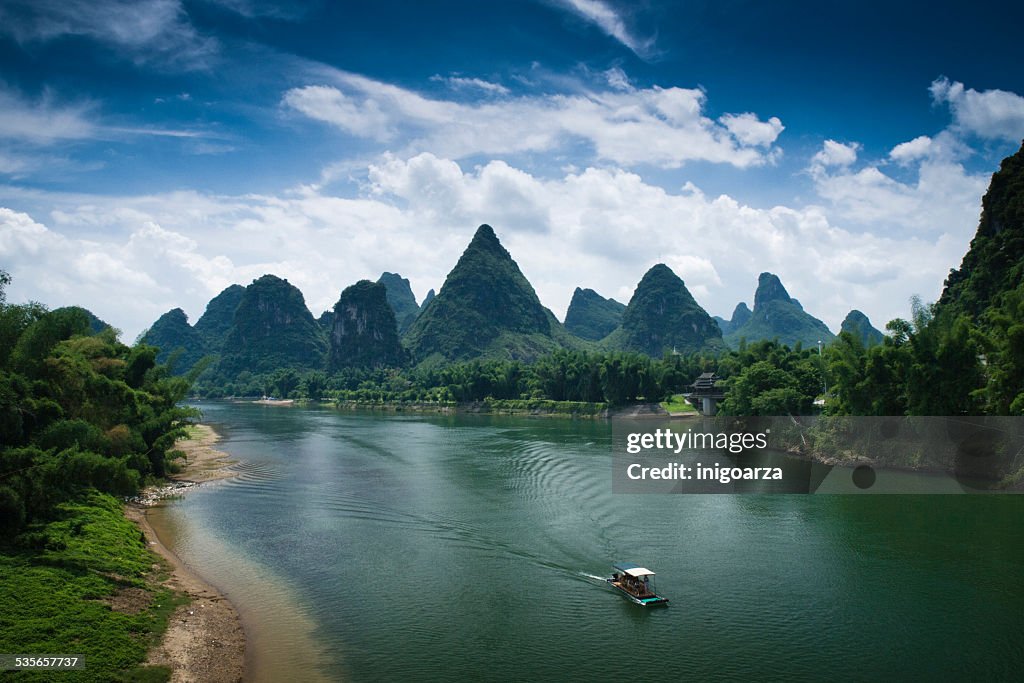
pixel 284 382
pixel 1003 362
pixel 79 411
pixel 763 388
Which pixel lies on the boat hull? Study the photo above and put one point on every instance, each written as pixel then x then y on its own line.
pixel 650 601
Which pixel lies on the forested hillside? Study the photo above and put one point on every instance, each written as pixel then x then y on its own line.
pixel 776 315
pixel 83 418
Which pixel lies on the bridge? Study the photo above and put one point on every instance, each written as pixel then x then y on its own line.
pixel 705 393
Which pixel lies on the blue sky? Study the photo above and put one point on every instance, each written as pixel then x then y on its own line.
pixel 153 152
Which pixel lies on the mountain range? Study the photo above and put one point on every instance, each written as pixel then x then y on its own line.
pixel 486 308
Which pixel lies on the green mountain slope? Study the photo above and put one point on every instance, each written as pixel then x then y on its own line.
pixel 995 261
pixel 364 333
pixel 486 308
pixel 427 299
pixel 776 315
pixel 857 324
pixel 663 316
pixel 95 324
pixel 987 294
pixel 401 299
pixel 326 321
pixel 170 333
pixel 591 316
pixel 216 320
pixel 740 315
pixel 272 329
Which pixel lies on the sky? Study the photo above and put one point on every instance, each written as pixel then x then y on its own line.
pixel 153 152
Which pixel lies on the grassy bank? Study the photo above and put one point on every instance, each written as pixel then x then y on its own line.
pixel 532 406
pixel 678 404
pixel 85 584
pixel 398 406
pixel 540 406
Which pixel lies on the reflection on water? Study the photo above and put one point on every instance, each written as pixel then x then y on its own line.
pixel 471 547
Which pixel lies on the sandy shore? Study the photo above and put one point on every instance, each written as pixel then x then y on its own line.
pixel 204 641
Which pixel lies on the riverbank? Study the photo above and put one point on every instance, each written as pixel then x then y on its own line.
pixel 488 406
pixel 204 640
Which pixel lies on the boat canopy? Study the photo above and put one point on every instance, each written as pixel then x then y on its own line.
pixel 633 570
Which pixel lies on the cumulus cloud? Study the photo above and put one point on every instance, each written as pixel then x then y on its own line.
pixel 915 149
pixel 666 127
pixel 121 280
pixel 438 189
pixel 940 193
pixel 834 153
pixel 611 22
pixel 750 130
pixel 131 259
pixel 994 114
pixel 157 31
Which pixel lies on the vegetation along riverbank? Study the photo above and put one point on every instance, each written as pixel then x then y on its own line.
pixel 86 422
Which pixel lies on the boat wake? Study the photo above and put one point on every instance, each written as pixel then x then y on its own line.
pixel 592 576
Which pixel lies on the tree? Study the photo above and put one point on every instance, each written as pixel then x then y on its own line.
pixel 313 385
pixel 767 388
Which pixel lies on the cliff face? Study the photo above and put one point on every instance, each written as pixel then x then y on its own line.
pixel 272 329
pixel 364 333
pixel 591 316
pixel 663 316
pixel 486 307
pixel 777 315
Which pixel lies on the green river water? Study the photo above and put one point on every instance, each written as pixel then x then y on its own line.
pixel 402 548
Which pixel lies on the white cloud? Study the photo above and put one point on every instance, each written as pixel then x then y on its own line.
pixel 438 189
pixel 750 130
pixel 289 11
pixel 834 153
pixel 130 259
pixel 330 105
pixel 660 126
pixel 994 114
pixel 617 79
pixel 43 121
pixel 146 30
pixel 942 197
pixel 611 22
pixel 28 126
pixel 915 149
pixel 463 83
pixel 121 280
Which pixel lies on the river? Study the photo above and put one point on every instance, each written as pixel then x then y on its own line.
pixel 393 547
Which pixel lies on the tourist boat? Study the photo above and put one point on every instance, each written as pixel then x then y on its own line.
pixel 637 584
